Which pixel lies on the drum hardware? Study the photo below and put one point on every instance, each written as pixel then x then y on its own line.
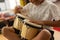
pixel 34 26
pixel 21 18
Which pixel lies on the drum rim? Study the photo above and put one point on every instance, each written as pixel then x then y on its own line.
pixel 21 18
pixel 20 15
pixel 32 24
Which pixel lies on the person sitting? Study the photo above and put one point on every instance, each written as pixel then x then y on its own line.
pixel 41 12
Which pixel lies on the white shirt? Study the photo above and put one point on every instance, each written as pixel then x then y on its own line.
pixel 45 11
pixel 52 0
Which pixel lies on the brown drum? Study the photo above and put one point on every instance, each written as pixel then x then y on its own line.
pixel 18 22
pixel 29 30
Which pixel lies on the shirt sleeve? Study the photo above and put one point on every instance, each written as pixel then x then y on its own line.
pixel 55 12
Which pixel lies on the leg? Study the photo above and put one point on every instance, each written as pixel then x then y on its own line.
pixel 9 33
pixel 43 35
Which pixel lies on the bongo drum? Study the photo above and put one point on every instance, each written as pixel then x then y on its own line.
pixel 18 22
pixel 29 30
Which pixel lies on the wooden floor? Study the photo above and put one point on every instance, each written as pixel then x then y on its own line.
pixel 2 37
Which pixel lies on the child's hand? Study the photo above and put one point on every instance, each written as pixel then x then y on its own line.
pixel 18 9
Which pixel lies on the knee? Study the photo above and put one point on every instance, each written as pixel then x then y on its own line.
pixel 46 33
pixel 6 30
pixel 43 35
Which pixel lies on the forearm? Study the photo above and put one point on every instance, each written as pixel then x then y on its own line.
pixel 52 23
pixel 47 23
